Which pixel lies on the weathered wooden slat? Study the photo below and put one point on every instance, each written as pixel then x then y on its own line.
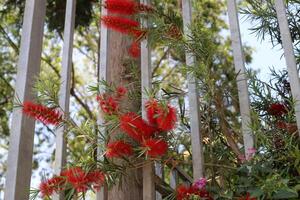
pixel 64 93
pixel 148 170
pixel 104 42
pixel 19 162
pixel 289 56
pixel 196 138
pixel 240 69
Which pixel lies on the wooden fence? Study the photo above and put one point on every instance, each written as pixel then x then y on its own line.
pixel 22 132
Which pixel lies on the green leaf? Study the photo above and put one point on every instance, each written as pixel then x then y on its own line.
pixel 285 193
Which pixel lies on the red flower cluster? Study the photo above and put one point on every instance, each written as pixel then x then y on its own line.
pixel 125 25
pixel 247 197
pixel 50 186
pixel 118 149
pixel 155 147
pixel 74 177
pixel 289 127
pixel 109 103
pixel 126 7
pixel 162 116
pixel 184 193
pixel 42 113
pixel 135 127
pixel 277 109
pixel 122 25
pixel 135 49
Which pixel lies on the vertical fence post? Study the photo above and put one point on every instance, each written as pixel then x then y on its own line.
pixel 148 169
pixel 102 73
pixel 240 69
pixel 64 93
pixel 20 153
pixel 289 56
pixel 196 138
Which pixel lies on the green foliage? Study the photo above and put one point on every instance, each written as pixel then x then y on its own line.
pixel 55 13
pixel 262 14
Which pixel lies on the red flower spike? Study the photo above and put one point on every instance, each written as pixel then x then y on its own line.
pixel 155 147
pixel 126 7
pixel 118 149
pixel 108 104
pixel 151 110
pixel 120 24
pixel 96 179
pixel 277 109
pixel 166 118
pixel 42 113
pixel 135 50
pixel 48 187
pixel 184 193
pixel 121 91
pixel 136 127
pixel 77 178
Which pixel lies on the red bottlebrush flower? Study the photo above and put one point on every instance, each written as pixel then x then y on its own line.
pixel 135 50
pixel 120 24
pixel 281 125
pixel 108 104
pixel 136 127
pixel 151 110
pixel 247 197
pixel 118 149
pixel 121 91
pixel 126 7
pixel 182 192
pixel 48 187
pixel 77 178
pixel 166 118
pixel 96 179
pixel 155 147
pixel 277 109
pixel 42 113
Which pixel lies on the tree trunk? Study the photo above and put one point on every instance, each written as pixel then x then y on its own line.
pixel 118 73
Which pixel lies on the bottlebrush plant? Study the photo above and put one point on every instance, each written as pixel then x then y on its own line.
pixel 135 140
